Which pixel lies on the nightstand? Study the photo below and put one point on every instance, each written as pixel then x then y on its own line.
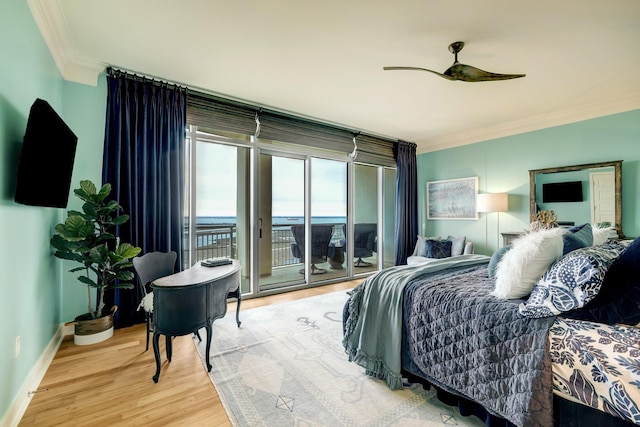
pixel 510 236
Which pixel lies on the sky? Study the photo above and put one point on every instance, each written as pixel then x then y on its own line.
pixel 216 187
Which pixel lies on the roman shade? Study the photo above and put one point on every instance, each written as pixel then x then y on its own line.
pixel 297 130
pixel 375 151
pixel 208 111
pixel 214 112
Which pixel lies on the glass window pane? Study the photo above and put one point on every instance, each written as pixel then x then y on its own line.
pixel 389 215
pixel 328 218
pixel 365 221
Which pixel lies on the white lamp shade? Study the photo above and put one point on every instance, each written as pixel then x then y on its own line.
pixel 492 202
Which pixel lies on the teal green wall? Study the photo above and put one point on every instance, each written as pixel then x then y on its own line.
pixel 85 113
pixel 30 284
pixel 502 165
pixel 37 295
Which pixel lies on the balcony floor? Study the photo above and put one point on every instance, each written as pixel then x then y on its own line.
pixel 290 274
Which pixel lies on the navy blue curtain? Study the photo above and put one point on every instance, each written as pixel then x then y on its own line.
pixel 406 200
pixel 143 160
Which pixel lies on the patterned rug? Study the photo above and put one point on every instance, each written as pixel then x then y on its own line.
pixel 285 366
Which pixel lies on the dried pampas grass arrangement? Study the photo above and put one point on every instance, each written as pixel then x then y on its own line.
pixel 543 220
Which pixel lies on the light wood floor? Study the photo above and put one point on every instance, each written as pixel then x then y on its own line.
pixel 110 383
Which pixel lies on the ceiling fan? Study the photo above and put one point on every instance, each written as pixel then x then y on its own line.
pixel 458 71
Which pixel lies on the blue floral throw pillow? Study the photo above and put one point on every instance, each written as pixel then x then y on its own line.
pixel 619 296
pixel 572 281
pixel 438 248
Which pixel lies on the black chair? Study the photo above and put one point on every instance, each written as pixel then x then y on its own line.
pixel 149 267
pixel 320 239
pixel 365 239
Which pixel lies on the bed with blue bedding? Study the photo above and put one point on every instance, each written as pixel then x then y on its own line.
pixel 439 324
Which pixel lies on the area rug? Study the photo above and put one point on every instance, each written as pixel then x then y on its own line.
pixel 285 366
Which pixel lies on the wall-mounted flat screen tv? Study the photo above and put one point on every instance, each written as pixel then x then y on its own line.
pixel 46 160
pixel 570 191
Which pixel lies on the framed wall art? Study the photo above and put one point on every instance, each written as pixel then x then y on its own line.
pixel 452 198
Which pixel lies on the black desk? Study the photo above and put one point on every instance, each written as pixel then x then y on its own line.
pixel 187 301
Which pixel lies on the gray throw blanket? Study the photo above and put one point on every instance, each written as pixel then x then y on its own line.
pixel 373 331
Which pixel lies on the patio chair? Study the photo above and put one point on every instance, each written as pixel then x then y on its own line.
pixel 365 237
pixel 320 239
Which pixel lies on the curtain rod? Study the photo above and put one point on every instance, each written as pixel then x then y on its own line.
pixel 115 72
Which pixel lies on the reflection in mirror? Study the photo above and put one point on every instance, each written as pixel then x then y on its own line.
pixel 580 193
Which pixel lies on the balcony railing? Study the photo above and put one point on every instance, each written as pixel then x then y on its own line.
pixel 221 241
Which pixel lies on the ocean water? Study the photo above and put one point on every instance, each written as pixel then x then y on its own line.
pixel 280 220
pixel 279 223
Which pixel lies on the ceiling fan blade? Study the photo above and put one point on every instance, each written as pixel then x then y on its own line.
pixel 463 72
pixel 468 73
pixel 420 69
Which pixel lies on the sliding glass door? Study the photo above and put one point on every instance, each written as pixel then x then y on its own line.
pixel 217 217
pixel 281 210
pixel 328 219
pixel 290 228
pixel 293 218
pixel 365 219
pixel 387 245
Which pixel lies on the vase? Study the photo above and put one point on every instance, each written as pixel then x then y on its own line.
pixel 89 331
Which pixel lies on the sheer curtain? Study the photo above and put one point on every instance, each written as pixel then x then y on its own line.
pixel 143 160
pixel 406 200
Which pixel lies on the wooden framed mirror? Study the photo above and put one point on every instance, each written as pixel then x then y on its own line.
pixel 616 166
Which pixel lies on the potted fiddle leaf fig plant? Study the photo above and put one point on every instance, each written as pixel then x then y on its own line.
pixel 87 238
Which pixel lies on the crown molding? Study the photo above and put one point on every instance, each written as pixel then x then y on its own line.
pixel 83 72
pixel 50 20
pixel 543 121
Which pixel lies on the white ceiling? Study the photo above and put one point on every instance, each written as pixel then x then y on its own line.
pixel 323 59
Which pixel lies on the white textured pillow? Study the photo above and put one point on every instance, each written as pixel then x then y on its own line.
pixel 600 234
pixel 530 256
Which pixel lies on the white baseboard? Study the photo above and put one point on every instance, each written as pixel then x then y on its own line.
pixel 21 403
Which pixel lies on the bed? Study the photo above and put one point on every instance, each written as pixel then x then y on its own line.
pixel 555 356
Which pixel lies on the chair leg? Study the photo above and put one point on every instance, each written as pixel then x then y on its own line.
pixel 148 321
pixel 317 270
pixel 361 263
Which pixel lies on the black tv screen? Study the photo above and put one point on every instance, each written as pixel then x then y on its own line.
pixel 46 160
pixel 562 192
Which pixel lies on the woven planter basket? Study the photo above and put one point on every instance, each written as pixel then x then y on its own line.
pixel 85 325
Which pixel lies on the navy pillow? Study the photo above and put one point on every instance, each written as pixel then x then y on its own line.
pixel 619 298
pixel 495 259
pixel 577 237
pixel 438 248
